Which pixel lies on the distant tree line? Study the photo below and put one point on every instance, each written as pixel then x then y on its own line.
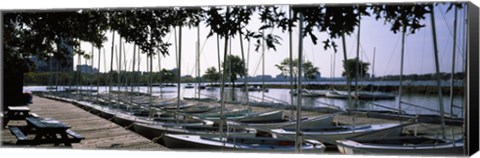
pixel 125 78
pixel 420 77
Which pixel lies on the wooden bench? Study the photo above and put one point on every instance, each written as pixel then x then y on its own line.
pixel 21 137
pixel 33 114
pixel 75 135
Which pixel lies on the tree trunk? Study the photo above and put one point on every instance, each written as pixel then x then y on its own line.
pixel 13 88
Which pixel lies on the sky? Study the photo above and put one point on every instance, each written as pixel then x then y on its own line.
pixel 373 35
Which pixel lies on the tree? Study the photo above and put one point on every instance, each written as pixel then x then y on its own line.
pixel 350 66
pixel 167 76
pixel 212 75
pixel 234 68
pixel 310 71
pixel 41 34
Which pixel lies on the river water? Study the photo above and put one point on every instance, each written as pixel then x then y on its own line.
pixel 423 100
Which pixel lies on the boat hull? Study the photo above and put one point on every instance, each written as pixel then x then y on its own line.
pixel 152 131
pixel 333 135
pixel 271 116
pixel 257 144
pixel 352 147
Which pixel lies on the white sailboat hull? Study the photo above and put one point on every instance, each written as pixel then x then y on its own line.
pixel 352 147
pixel 151 131
pixel 333 134
pixel 239 143
pixel 271 116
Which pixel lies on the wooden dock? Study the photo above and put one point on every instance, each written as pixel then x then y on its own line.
pixel 98 132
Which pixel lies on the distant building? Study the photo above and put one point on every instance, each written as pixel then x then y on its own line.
pixel 41 65
pixel 318 75
pixel 55 64
pixel 282 77
pixel 266 77
pixel 87 69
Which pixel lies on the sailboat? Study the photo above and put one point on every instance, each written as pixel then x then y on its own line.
pixel 240 143
pixel 410 145
pixel 307 93
pixel 401 145
pixel 311 122
pixel 189 86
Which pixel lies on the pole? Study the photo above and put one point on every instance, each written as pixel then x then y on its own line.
pixel 161 76
pixel 373 63
pixel 79 75
pixel 111 70
pixel 119 79
pixel 133 74
pixel 179 67
pixel 218 51
pixel 291 61
pixel 98 77
pixel 198 61
pixel 401 71
pixel 263 66
pixel 222 86
pixel 357 66
pixel 246 73
pixel 298 134
pixel 437 70
pixel 452 79
pixel 91 63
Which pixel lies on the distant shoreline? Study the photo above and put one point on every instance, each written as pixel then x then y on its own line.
pixel 423 87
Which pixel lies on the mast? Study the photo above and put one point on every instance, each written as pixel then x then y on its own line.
pixel 230 71
pixel 452 79
pixel 138 67
pixel 404 29
pixel 91 63
pixel 222 86
pixel 149 84
pixel 373 63
pixel 357 66
pixel 218 51
pixel 176 45
pixel 111 71
pixel 98 77
pixel 133 74
pixel 291 61
pixel 179 67
pixel 85 82
pixel 437 71
pixel 298 139
pixel 263 65
pixel 119 67
pixel 160 71
pixel 56 77
pixel 79 74
pixel 125 68
pixel 247 66
pixel 246 73
pixel 150 78
pixel 198 60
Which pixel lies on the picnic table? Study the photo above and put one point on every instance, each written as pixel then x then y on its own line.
pixel 46 131
pixel 16 113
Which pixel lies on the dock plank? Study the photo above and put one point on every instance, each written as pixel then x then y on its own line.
pixel 98 132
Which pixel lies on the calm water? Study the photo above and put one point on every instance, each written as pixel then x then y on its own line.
pixel 282 95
